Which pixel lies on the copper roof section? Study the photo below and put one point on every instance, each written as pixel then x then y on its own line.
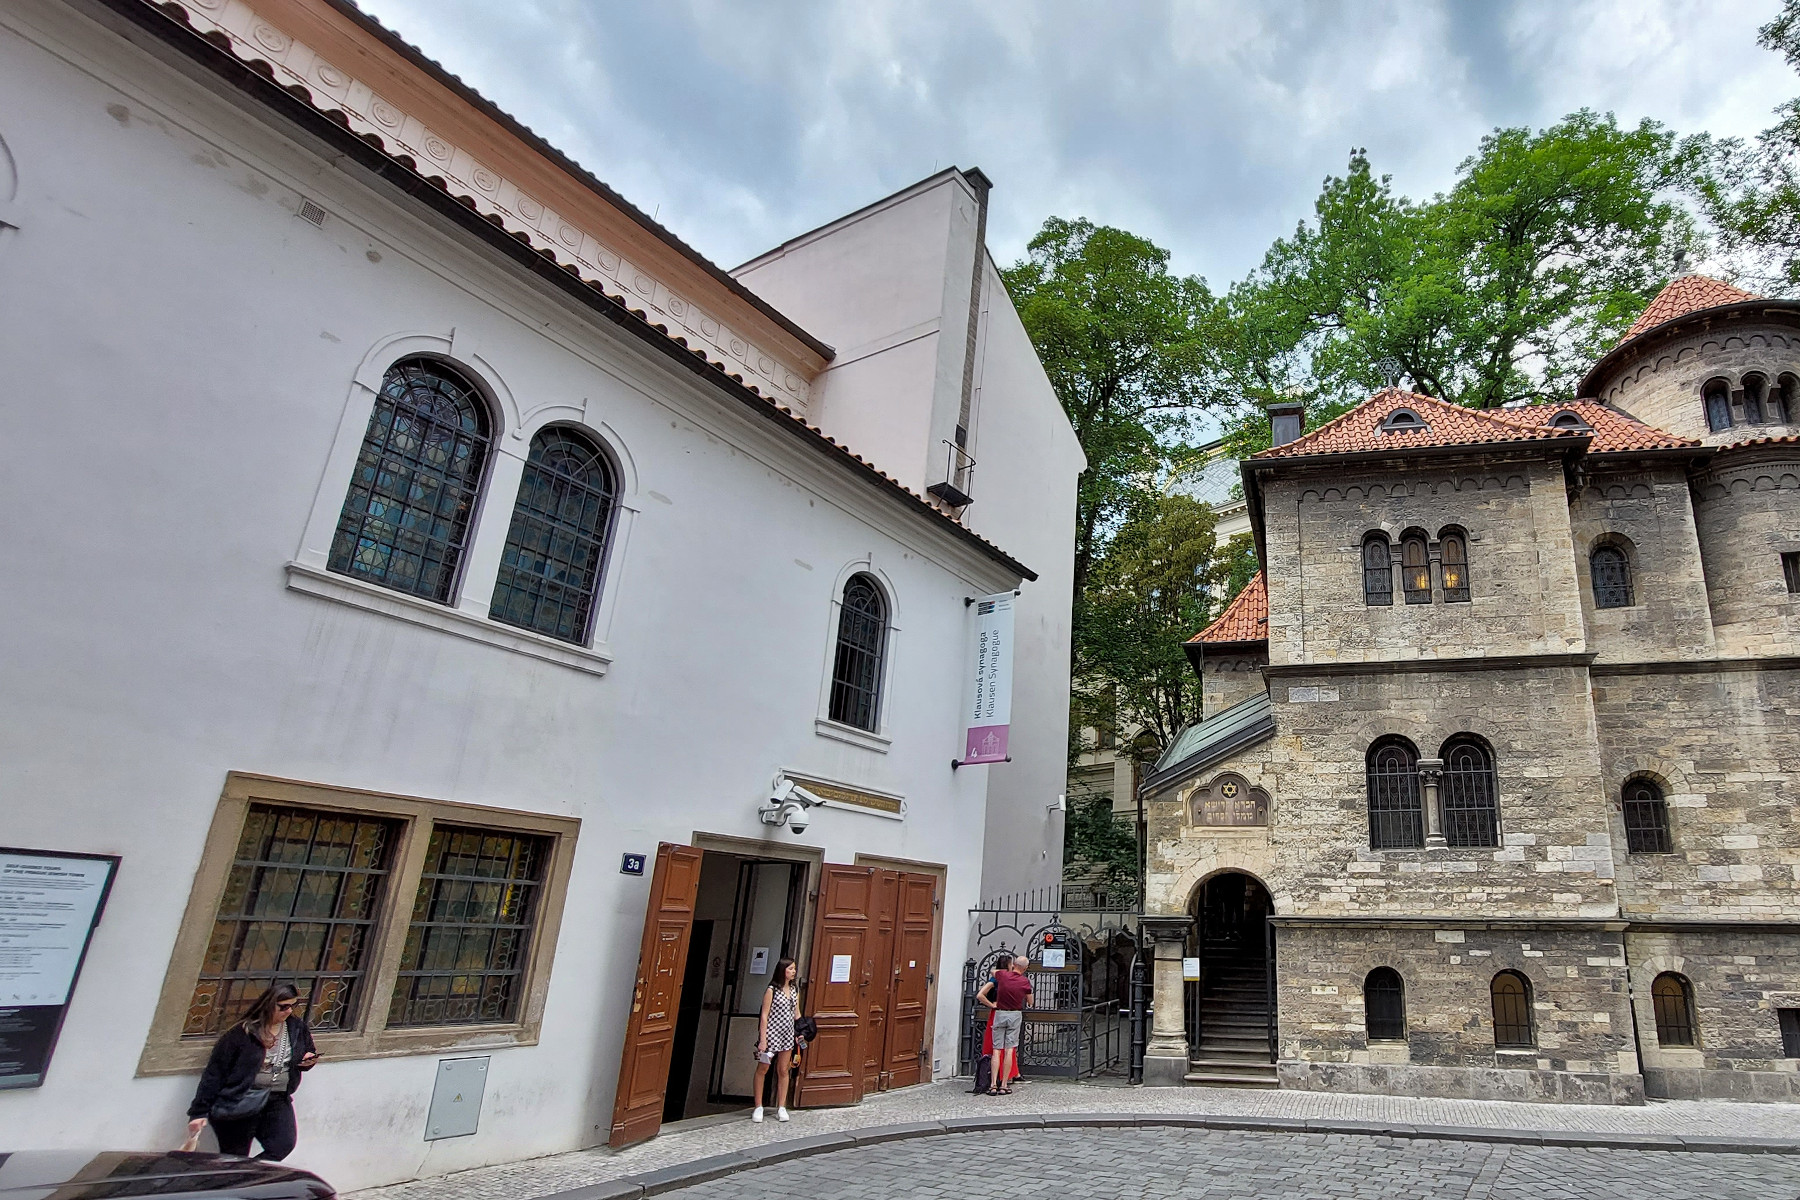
pixel 1610 431
pixel 1689 294
pixel 1245 619
pixel 1359 431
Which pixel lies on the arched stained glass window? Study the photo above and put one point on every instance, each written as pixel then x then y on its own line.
pixel 406 518
pixel 1396 818
pixel 1512 1011
pixel 861 642
pixel 1673 999
pixel 550 570
pixel 1384 1005
pixel 1611 571
pixel 1453 551
pixel 1378 573
pixel 1471 812
pixel 1716 396
pixel 1646 818
pixel 1415 568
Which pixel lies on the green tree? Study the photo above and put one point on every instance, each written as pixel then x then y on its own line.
pixel 1124 343
pixel 1750 190
pixel 1095 838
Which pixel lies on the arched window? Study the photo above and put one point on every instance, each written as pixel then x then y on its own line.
pixel 1716 396
pixel 1567 420
pixel 1611 572
pixel 861 641
pixel 1378 574
pixel 1756 388
pixel 550 569
pixel 1471 812
pixel 1512 1011
pixel 1646 818
pixel 1384 1005
pixel 1415 567
pixel 1673 999
pixel 1402 420
pixel 1787 400
pixel 1453 553
pixel 406 518
pixel 1396 818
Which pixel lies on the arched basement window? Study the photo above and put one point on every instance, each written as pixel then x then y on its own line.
pixel 1471 810
pixel 1396 818
pixel 1512 1011
pixel 1646 818
pixel 1673 998
pixel 550 570
pixel 1378 573
pixel 1611 571
pixel 405 521
pixel 861 642
pixel 1384 1005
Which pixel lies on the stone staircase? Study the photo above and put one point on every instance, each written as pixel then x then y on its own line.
pixel 1234 1021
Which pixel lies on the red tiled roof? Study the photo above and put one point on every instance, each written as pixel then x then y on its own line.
pixel 1613 431
pixel 1689 294
pixel 1245 619
pixel 1445 425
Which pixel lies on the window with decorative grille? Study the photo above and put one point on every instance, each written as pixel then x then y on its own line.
pixel 1378 573
pixel 1396 818
pixel 861 642
pixel 1646 818
pixel 1469 795
pixel 1673 1001
pixel 1611 572
pixel 1512 1011
pixel 1415 570
pixel 1790 570
pixel 1384 1005
pixel 471 928
pixel 300 905
pixel 405 521
pixel 1453 550
pixel 550 569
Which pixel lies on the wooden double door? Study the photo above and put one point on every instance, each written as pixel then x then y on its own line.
pixel 867 984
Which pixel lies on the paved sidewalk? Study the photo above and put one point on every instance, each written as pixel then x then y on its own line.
pixel 706 1137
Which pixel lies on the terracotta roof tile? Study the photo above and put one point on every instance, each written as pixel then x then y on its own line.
pixel 1245 619
pixel 1444 425
pixel 1611 430
pixel 1689 294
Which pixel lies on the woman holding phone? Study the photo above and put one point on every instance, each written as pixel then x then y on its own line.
pixel 246 1089
pixel 775 1036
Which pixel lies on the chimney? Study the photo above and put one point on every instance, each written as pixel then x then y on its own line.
pixel 1285 420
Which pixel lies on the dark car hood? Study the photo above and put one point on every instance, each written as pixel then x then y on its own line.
pixel 100 1175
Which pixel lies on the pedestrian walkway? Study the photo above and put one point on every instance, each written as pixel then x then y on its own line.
pixel 706 1137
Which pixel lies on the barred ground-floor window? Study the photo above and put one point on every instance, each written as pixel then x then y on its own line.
pixel 407 925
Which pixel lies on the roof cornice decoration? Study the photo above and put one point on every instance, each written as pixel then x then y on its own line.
pixel 250 37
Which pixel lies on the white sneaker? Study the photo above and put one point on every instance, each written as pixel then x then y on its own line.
pixel 781 1114
pixel 756 1113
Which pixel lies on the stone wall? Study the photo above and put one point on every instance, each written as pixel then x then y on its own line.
pixel 1581 1016
pixel 1739 978
pixel 1230 675
pixel 1524 595
pixel 1748 515
pixel 1645 510
pixel 1724 746
pixel 1660 384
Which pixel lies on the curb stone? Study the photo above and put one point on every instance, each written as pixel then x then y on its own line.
pixel 681 1175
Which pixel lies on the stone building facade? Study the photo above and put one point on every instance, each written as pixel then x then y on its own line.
pixel 1520 690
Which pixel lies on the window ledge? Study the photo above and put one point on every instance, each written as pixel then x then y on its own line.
pixel 189 1055
pixel 593 660
pixel 854 736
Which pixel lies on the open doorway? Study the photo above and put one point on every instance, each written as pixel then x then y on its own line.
pixel 1230 1011
pixel 748 916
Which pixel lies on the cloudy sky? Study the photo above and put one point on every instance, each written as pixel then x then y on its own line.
pixel 1206 126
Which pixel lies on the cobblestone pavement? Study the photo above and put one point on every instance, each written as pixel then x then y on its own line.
pixel 701 1138
pixel 1146 1164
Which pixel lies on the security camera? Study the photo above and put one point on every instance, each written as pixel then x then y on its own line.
pixel 787 805
pixel 797 820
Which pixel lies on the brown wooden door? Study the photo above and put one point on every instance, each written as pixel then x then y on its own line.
pixel 880 970
pixel 656 997
pixel 907 1014
pixel 832 1067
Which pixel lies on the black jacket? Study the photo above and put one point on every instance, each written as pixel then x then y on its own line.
pixel 236 1058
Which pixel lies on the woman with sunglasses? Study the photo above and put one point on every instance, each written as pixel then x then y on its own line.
pixel 255 1066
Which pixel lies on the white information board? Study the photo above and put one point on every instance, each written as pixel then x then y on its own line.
pixel 1054 960
pixel 49 905
pixel 840 968
pixel 1190 968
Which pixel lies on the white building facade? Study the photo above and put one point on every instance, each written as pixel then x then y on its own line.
pixel 404 531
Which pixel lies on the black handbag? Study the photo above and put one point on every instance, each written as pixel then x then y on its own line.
pixel 252 1102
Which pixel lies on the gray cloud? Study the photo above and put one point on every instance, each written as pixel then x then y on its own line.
pixel 1205 126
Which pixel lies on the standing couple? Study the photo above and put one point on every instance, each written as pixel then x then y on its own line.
pixel 1006 996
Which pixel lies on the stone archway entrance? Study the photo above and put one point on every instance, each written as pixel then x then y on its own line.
pixel 1230 1008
